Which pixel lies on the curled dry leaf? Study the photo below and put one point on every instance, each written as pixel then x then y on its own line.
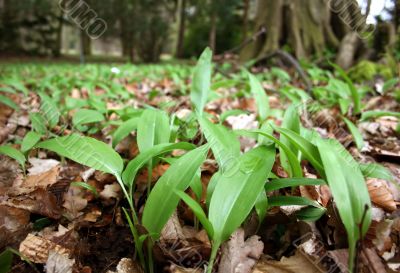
pixel 380 194
pixel 13 225
pixel 43 179
pixel 111 191
pixel 37 249
pixel 300 262
pixel 59 263
pixel 239 255
pixel 40 166
pixel 126 265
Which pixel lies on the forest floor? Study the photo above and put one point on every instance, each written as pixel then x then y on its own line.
pixel 61 213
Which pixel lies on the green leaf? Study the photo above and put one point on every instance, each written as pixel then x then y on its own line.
pixel 198 211
pixel 373 170
pixel 348 189
pixel 124 130
pixel 294 162
pixel 278 201
pixel 235 195
pixel 223 143
pixel 86 151
pixel 85 116
pixel 138 162
pixel 5 261
pixel 358 138
pixel 9 102
pixel 291 121
pixel 49 110
pixel 281 183
pixel 14 154
pixel 309 150
pixel 310 214
pixel 260 96
pixel 353 90
pixel 162 200
pixel 38 123
pixel 153 128
pixel 230 113
pixel 377 114
pixel 29 141
pixel 261 207
pixel 201 81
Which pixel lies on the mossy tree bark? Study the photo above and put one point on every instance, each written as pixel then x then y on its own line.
pixel 302 24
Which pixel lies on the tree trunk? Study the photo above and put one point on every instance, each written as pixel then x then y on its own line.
pixel 213 30
pixel 246 5
pixel 181 30
pixel 302 24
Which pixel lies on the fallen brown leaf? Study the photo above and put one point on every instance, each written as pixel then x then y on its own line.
pixel 239 255
pixel 380 194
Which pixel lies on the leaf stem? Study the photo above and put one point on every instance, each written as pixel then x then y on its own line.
pixel 214 252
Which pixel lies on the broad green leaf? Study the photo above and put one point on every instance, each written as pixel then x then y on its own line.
pixel 49 110
pixel 310 214
pixel 138 162
pixel 152 129
pixel 235 195
pixel 291 121
pixel 198 211
pixel 6 258
pixel 278 201
pixel 377 114
pixel 358 138
pixel 281 183
pixel 201 81
pixel 14 154
pixel 261 207
pixel 9 102
pixel 309 150
pixel 38 123
pixel 162 200
pixel 86 151
pixel 373 170
pixel 230 113
pixel 223 143
pixel 294 162
pixel 211 187
pixel 29 141
pixel 260 96
pixel 349 191
pixel 124 130
pixel 353 90
pixel 84 116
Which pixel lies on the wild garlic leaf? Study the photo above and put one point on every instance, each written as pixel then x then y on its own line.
pixel 357 136
pixel 224 144
pixel 49 110
pixel 260 96
pixel 86 151
pixel 162 200
pixel 124 130
pixel 201 81
pixel 349 191
pixel 85 116
pixel 29 141
pixel 152 129
pixel 139 161
pixel 235 195
pixel 291 121
pixel 14 154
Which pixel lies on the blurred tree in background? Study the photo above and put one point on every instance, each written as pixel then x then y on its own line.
pixel 142 30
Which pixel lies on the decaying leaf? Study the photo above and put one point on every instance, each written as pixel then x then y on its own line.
pixel 59 263
pixel 240 255
pixel 37 249
pixel 294 264
pixel 74 201
pixel 126 265
pixel 13 225
pixel 380 194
